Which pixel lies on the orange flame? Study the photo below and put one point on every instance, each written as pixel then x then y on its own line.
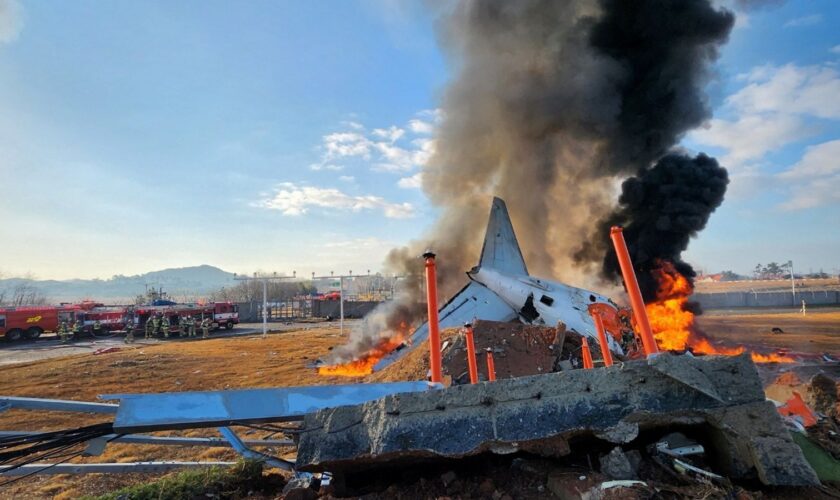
pixel 673 322
pixel 363 365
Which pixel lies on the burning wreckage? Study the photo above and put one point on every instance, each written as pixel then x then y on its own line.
pixel 683 412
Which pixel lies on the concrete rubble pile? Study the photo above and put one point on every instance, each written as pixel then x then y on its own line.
pixel 717 400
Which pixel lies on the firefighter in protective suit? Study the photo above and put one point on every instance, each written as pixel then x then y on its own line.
pixel 129 332
pixel 164 325
pixel 97 328
pixel 156 326
pixel 149 327
pixel 63 333
pixel 205 328
pixel 77 329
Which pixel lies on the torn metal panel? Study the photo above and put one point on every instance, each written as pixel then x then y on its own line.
pixel 181 410
pixel 538 414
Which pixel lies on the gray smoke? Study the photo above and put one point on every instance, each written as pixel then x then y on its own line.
pixel 552 104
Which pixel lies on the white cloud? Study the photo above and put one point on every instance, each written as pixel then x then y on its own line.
pixel 815 179
pixel 388 149
pixel 771 111
pixel 325 166
pixel 804 21
pixel 346 178
pixel 347 144
pixel 811 90
pixel 835 49
pixel 391 134
pixel 291 199
pixel 413 182
pixel 750 137
pixel 11 20
pixel 421 127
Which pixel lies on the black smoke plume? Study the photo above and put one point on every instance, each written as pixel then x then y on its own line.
pixel 660 209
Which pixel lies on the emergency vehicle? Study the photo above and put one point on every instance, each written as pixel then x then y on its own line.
pixel 30 322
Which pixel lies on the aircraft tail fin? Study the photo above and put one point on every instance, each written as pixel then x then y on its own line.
pixel 501 250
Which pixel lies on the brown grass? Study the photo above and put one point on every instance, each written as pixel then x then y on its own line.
pixel 276 361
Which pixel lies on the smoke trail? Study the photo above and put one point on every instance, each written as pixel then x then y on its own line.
pixel 553 103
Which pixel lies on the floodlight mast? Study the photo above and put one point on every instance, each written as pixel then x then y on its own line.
pixel 265 279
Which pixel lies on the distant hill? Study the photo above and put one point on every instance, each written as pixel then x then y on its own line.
pixel 179 283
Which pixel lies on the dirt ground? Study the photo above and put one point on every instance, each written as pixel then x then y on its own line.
pixel 766 285
pixel 278 360
pixel 817 332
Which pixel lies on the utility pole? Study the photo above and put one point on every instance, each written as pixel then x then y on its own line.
pixel 265 279
pixel 340 295
pixel 792 283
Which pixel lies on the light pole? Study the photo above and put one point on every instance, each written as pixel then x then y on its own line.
pixel 792 283
pixel 265 280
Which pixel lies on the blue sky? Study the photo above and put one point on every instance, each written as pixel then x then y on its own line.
pixel 136 136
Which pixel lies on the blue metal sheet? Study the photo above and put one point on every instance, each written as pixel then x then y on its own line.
pixel 179 410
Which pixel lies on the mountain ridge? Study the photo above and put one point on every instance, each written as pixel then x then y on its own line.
pixel 188 281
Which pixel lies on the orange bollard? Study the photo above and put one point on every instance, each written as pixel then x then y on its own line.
pixel 602 339
pixel 636 302
pixel 434 332
pixel 471 362
pixel 491 366
pixel 587 356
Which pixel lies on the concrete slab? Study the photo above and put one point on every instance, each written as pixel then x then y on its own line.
pixel 539 414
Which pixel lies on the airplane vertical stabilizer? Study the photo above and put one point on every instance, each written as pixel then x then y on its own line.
pixel 501 250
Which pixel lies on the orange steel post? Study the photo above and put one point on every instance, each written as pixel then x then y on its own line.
pixel 491 366
pixel 636 302
pixel 602 339
pixel 587 356
pixel 434 332
pixel 471 362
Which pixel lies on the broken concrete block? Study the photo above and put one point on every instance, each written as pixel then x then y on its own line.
pixel 616 465
pixel 721 395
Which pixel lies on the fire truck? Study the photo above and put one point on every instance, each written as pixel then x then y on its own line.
pixel 30 322
pixel 221 314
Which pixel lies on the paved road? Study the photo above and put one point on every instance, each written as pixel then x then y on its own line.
pixel 48 346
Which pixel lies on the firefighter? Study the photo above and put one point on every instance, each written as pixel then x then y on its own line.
pixel 192 326
pixel 205 328
pixel 182 322
pixel 63 333
pixel 97 328
pixel 156 326
pixel 77 329
pixel 129 332
pixel 149 327
pixel 164 325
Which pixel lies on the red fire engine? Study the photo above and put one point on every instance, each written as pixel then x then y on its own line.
pixel 30 322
